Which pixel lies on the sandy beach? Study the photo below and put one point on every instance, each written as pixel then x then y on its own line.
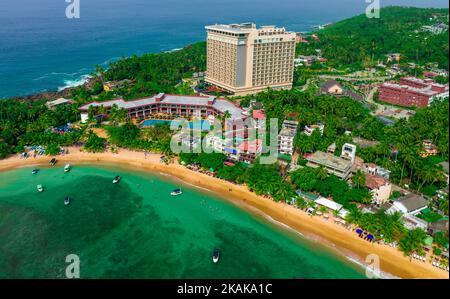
pixel 338 238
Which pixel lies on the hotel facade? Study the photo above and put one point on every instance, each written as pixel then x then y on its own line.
pixel 169 106
pixel 411 91
pixel 243 59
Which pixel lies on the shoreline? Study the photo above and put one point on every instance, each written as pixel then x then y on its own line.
pixel 333 236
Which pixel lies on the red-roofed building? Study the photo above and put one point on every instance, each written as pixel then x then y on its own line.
pixel 259 117
pixel 379 187
pixel 430 74
pixel 411 91
pixel 249 150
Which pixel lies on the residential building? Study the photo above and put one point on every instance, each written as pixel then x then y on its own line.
pixel 111 85
pixel 59 102
pixel 438 226
pixel 393 57
pixel 309 129
pixel 259 119
pixel 286 137
pixel 429 149
pixel 187 142
pixel 379 187
pixel 306 60
pixel 339 166
pixel 169 107
pixel 436 28
pixel 410 204
pixel 411 91
pixel 249 150
pixel 412 222
pixel 332 87
pixel 216 143
pixel 334 206
pixel 243 59
pixel 374 169
pixel 331 148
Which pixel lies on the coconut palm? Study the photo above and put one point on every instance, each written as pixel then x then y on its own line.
pixel 322 173
pixel 359 179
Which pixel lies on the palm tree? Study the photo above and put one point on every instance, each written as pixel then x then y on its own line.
pixel 100 72
pixel 322 173
pixel 428 175
pixel 301 203
pixel 102 111
pixel 359 179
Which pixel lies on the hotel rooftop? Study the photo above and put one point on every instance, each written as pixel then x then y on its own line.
pixel 336 165
pixel 221 105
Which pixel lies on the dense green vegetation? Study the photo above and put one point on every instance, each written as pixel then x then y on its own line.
pixel 94 143
pixel 406 137
pixel 30 123
pixel 128 135
pixel 155 73
pixel 317 180
pixel 341 115
pixel 261 179
pixel 359 41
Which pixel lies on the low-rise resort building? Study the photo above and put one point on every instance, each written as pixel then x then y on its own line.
pixel 167 106
pixel 339 166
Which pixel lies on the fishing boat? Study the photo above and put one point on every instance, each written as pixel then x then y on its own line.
pixel 176 192
pixel 216 256
pixel 40 188
pixel 67 168
pixel 35 171
pixel 67 201
pixel 116 179
pixel 53 161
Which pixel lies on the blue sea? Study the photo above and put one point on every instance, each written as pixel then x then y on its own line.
pixel 41 49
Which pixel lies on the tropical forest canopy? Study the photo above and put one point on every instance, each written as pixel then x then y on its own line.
pixel 360 41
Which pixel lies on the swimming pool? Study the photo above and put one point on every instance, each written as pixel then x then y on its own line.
pixel 195 125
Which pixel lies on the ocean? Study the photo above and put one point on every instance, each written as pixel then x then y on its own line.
pixel 41 49
pixel 135 229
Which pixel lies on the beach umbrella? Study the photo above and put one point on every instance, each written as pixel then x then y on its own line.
pixel 359 231
pixel 370 237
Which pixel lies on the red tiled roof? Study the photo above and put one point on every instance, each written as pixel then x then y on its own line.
pixel 251 146
pixel 374 182
pixel 259 114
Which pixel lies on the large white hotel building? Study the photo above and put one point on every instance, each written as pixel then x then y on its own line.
pixel 243 59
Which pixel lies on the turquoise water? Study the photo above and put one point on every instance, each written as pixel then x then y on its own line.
pixel 135 229
pixel 41 49
pixel 202 124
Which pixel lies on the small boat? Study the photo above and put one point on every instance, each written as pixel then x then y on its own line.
pixel 116 179
pixel 67 201
pixel 67 168
pixel 40 188
pixel 216 256
pixel 53 161
pixel 176 192
pixel 35 171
